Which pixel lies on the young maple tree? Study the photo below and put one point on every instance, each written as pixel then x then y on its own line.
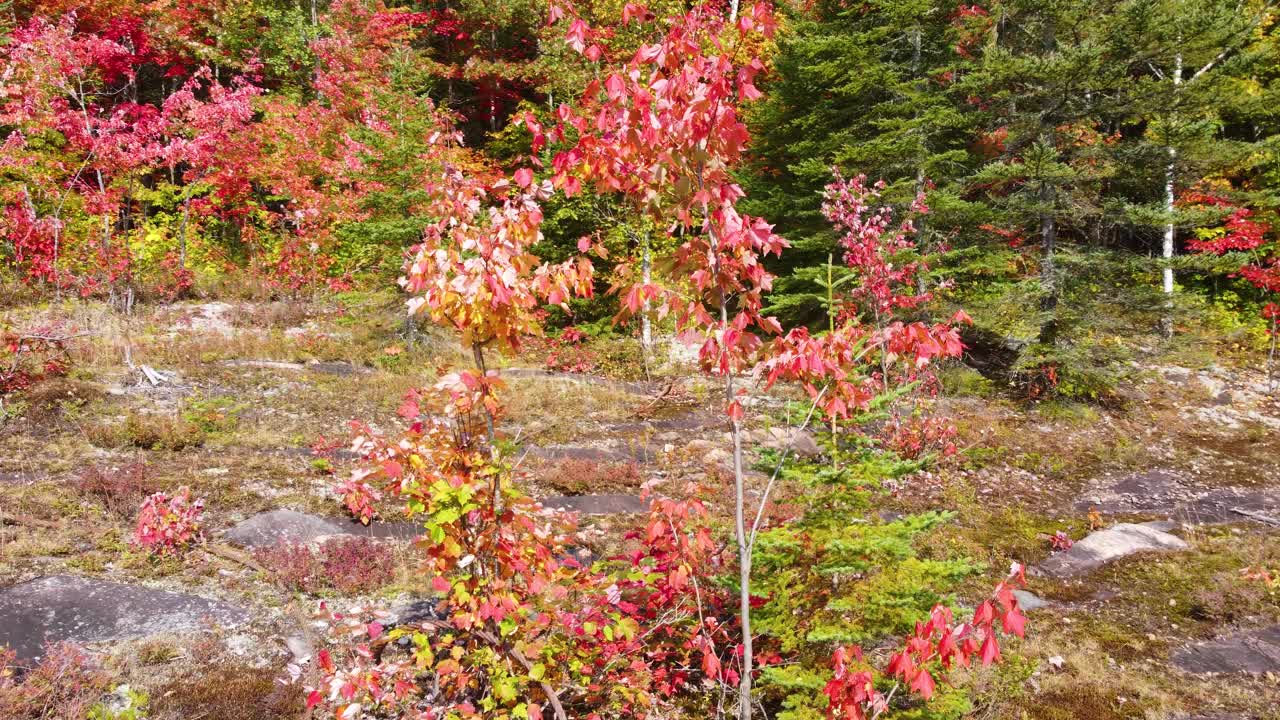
pixel 869 350
pixel 663 128
pixel 522 628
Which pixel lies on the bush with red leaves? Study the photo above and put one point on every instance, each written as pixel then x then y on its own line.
pixel 346 564
pixel 66 683
pixel 579 476
pixel 569 352
pixel 26 358
pixel 167 524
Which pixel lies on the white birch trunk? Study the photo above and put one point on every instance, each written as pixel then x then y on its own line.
pixel 1169 230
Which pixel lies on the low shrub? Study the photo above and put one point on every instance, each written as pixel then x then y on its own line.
pixel 350 565
pixel 168 525
pixel 66 683
pixel 213 415
pixel 577 476
pixel 119 489
pixel 229 691
pixel 356 564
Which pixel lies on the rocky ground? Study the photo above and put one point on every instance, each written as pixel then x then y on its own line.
pixel 1163 607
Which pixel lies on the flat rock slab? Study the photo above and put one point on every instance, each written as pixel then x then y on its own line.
pixel 1177 495
pixel 598 504
pixel 16 478
pixel 1251 651
pixel 293 527
pixel 1103 546
pixel 282 526
pixel 83 610
pixel 597 454
pixel 382 529
pixel 266 364
pixel 1029 601
pixel 636 387
pixel 339 369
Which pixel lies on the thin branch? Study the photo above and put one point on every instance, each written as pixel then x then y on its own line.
pixel 764 498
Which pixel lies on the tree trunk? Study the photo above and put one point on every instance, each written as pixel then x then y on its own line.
pixel 1166 322
pixel 182 233
pixel 1048 275
pixel 744 545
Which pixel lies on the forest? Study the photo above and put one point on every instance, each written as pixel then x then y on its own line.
pixel 592 359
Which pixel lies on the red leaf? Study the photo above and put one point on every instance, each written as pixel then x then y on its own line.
pixel 923 684
pixel 990 650
pixel 524 177
pixel 1014 622
pixel 735 411
pixel 409 408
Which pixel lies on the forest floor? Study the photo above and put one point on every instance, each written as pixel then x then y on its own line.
pixel 1189 628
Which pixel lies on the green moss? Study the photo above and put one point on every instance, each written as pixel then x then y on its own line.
pixel 963 381
pixel 1074 413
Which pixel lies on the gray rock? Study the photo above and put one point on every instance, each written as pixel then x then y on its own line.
pixel 598 504
pixel 803 444
pixel 382 530
pixel 1105 545
pixel 415 611
pixel 565 452
pixel 292 527
pixel 1029 601
pixel 1250 651
pixel 282 526
pixel 1177 495
pixel 299 647
pixel 340 369
pixel 67 608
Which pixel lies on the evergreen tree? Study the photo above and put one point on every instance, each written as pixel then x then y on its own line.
pixel 865 87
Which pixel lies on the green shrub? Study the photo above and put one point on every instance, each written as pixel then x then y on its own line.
pixel 840 575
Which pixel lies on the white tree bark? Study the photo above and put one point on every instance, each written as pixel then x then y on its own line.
pixel 1169 230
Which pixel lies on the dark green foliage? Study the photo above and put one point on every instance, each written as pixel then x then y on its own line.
pixel 839 574
pixel 1045 129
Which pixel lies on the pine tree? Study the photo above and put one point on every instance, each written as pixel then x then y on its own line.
pixel 1184 58
pixel 865 87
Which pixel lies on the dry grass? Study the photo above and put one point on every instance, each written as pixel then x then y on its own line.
pixel 555 411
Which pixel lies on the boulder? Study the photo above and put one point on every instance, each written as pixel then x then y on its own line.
pixel 803 444
pixel 282 526
pixel 1029 601
pixel 1105 545
pixel 1254 651
pixel 67 608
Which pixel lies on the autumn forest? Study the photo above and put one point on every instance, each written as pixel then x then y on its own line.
pixel 529 359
